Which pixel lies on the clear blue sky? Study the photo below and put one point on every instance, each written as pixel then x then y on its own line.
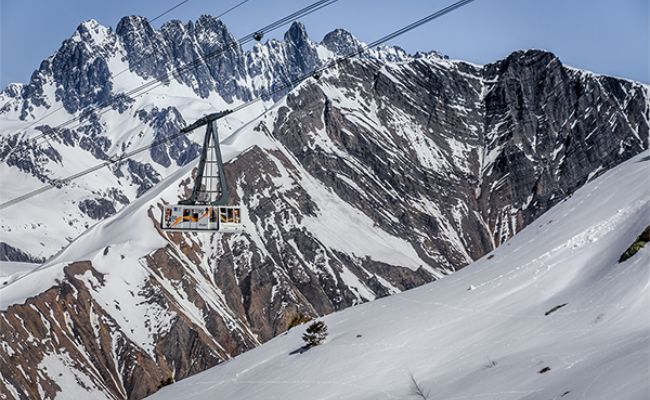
pixel 605 36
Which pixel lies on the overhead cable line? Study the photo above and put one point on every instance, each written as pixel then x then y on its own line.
pixel 241 3
pixel 279 88
pixel 169 10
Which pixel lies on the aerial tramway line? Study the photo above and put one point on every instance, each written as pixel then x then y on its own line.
pixel 207 208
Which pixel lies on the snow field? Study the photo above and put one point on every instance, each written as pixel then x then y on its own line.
pixel 493 330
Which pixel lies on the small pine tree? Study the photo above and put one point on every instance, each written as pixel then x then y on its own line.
pixel 315 334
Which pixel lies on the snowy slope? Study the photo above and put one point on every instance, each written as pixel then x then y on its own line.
pixel 134 232
pixel 484 332
pixel 185 302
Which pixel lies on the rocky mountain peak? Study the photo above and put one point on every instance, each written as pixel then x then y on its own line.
pixel 297 34
pixel 431 55
pixel 13 89
pixel 341 41
pixel 175 29
pixel 533 66
pixel 210 30
pixel 92 33
pixel 88 25
pixel 134 26
pixel 530 57
pixel 79 67
pixel 211 22
pixel 144 51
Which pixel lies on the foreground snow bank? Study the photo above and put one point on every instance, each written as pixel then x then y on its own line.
pixel 551 314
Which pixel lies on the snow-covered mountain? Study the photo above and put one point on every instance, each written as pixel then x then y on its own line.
pixel 529 92
pixel 388 172
pixel 98 68
pixel 551 314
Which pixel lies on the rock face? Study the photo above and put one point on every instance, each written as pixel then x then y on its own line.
pixel 386 173
pixel 70 326
pixel 547 130
pixel 8 253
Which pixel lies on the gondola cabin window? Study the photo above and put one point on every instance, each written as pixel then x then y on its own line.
pixel 229 215
pixel 201 218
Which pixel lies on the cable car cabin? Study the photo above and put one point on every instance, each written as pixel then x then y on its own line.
pixel 226 219
pixel 206 209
